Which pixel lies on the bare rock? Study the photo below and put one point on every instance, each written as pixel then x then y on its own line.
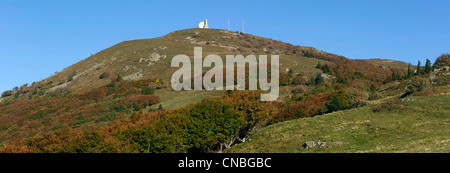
pixel 133 76
pixel 309 145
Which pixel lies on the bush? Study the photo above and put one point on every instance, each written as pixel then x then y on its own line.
pixel 69 141
pixel 7 93
pixel 374 96
pixel 211 125
pixel 59 92
pixel 118 78
pixel 95 94
pixel 299 80
pixel 390 105
pixel 372 88
pixel 109 116
pixel 298 89
pixel 145 100
pixel 311 81
pixel 70 77
pixel 110 85
pixel 211 121
pixel 355 97
pixel 309 106
pixel 147 91
pixel 334 104
pixel 443 60
pixel 284 78
pixel 121 108
pixel 319 79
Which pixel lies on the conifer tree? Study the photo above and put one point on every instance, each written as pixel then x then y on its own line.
pixel 410 73
pixel 319 79
pixel 312 81
pixel 419 69
pixel 318 66
pixel 290 72
pixel 372 88
pixel 326 69
pixel 427 68
pixel 334 104
pixel 393 76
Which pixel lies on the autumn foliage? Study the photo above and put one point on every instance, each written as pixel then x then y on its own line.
pixel 28 118
pixel 212 125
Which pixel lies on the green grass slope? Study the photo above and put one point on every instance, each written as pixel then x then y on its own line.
pixel 418 124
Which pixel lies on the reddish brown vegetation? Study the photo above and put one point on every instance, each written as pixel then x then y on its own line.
pixel 146 100
pixel 27 118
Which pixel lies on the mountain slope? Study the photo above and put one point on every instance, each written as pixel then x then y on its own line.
pixel 389 64
pixel 411 115
pixel 130 80
pixel 419 124
pixel 150 58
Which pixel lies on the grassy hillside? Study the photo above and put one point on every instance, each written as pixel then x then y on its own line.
pixel 408 115
pixel 141 58
pixel 418 124
pixel 150 58
pixel 389 64
pixel 120 99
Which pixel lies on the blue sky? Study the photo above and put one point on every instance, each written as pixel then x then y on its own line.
pixel 38 38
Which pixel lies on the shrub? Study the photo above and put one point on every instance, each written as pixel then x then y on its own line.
pixel 309 106
pixel 211 122
pixel 7 93
pixel 443 60
pixel 298 89
pixel 319 79
pixel 284 78
pixel 118 78
pixel 390 105
pixel 96 94
pixel 211 125
pixel 334 104
pixel 69 141
pixel 110 85
pixel 311 81
pixel 147 91
pixel 145 100
pixel 70 77
pixel 59 92
pixel 299 80
pixel 374 96
pixel 372 88
pixel 109 116
pixel 306 54
pixel 355 97
pixel 121 108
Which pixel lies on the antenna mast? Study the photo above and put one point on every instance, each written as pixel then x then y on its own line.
pixel 228 24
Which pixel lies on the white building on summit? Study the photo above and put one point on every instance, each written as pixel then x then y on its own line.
pixel 203 24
